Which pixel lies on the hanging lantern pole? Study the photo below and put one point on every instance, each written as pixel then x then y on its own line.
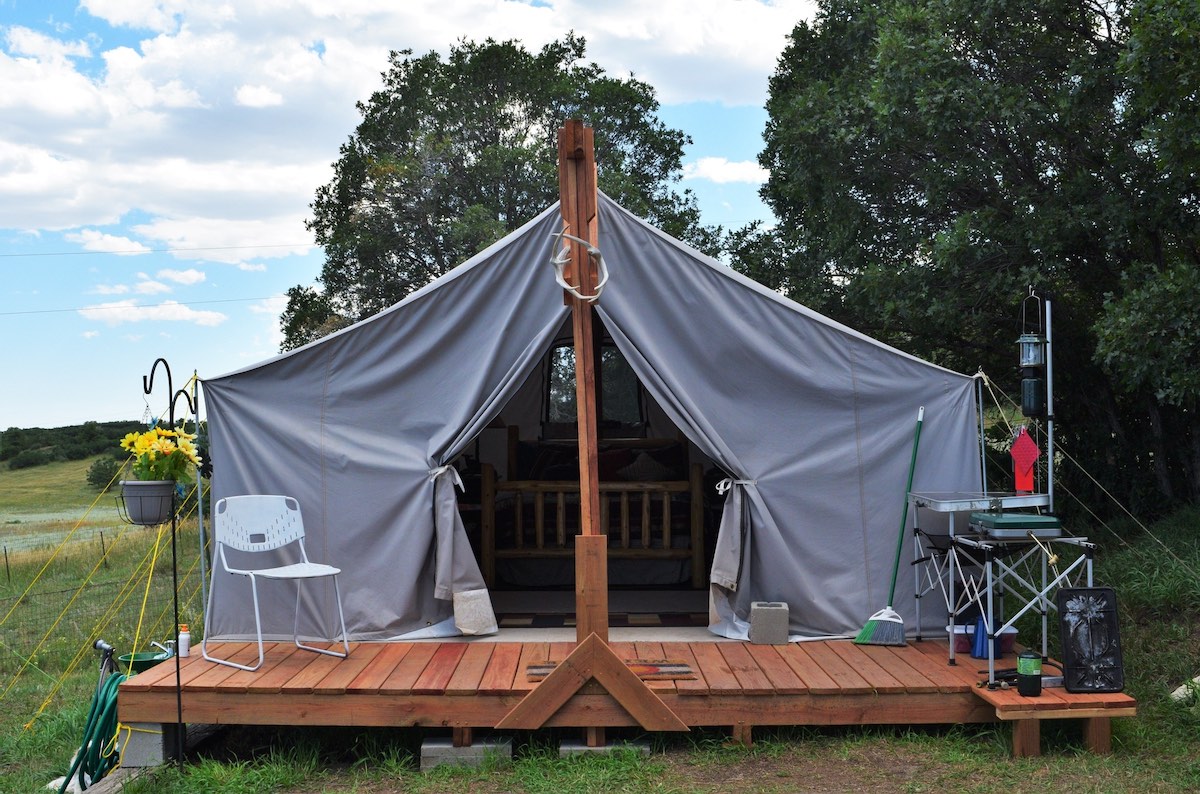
pixel 1037 394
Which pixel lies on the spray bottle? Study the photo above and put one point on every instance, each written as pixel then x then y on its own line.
pixel 185 640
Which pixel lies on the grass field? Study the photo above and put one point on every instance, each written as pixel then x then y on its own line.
pixel 54 601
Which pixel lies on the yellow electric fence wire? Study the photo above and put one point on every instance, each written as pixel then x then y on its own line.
pixel 60 547
pixel 114 609
pixel 118 604
pixel 137 634
pixel 54 626
pixel 147 564
pixel 1060 449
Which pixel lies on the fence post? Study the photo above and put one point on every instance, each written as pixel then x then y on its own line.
pixel 7 571
pixel 103 551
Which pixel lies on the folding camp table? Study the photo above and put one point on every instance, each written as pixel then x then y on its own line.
pixel 999 554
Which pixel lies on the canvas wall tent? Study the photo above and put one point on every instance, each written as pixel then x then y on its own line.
pixel 811 420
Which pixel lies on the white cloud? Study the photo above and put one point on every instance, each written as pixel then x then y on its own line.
pixel 228 115
pixel 257 96
pixel 93 240
pixel 148 286
pixel 187 277
pixel 217 239
pixel 90 334
pixel 30 43
pixel 722 171
pixel 129 311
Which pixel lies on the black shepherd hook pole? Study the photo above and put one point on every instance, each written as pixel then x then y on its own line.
pixel 148 388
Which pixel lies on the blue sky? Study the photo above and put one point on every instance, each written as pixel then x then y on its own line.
pixel 157 158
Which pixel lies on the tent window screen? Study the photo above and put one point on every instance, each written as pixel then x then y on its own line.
pixel 620 400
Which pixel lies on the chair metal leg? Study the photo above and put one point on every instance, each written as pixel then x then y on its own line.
pixel 296 625
pixel 257 631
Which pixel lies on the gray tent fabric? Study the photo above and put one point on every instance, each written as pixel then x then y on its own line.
pixel 354 424
pixel 811 422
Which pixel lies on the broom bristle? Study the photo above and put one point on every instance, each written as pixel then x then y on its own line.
pixel 885 627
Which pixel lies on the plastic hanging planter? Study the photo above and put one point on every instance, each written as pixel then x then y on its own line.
pixel 147 503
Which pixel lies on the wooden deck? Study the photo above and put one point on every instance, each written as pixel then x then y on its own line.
pixel 475 685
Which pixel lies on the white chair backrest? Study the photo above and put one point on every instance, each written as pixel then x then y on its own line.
pixel 257 523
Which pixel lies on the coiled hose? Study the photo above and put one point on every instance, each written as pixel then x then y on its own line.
pixel 98 754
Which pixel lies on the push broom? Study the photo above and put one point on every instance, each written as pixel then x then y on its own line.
pixel 886 627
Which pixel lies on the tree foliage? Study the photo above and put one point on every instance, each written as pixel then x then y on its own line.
pixel 931 160
pixel 453 154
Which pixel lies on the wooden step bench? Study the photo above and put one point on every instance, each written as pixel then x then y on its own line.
pixel 1096 709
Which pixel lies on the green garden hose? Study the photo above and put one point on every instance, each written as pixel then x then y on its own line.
pixel 98 755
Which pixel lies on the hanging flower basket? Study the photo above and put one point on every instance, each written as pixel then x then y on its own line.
pixel 146 502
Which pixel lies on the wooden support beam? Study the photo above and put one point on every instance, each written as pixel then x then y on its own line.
pixel 487 523
pixel 1097 734
pixel 1027 738
pixel 591 586
pixel 591 660
pixel 577 195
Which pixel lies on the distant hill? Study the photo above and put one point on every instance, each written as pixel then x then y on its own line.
pixel 37 446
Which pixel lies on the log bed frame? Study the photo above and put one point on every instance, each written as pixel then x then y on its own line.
pixel 625 517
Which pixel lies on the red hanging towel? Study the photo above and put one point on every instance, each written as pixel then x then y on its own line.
pixel 1024 453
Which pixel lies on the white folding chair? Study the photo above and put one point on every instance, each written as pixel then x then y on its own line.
pixel 256 524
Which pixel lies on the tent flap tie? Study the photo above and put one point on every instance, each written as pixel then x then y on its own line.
pixel 724 485
pixel 440 470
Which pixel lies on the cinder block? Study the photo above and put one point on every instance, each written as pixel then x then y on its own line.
pixel 768 623
pixel 148 744
pixel 569 747
pixel 435 752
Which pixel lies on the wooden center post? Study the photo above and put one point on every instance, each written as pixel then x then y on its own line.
pixel 577 194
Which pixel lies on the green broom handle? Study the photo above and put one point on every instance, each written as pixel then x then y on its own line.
pixel 912 466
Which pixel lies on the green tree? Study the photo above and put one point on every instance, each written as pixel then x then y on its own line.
pixel 452 155
pixel 931 160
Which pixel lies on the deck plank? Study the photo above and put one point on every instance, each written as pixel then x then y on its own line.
pixel 471 667
pixel 683 652
pixel 402 679
pixel 752 680
pixel 378 669
pixel 242 680
pixel 440 670
pixel 361 654
pixel 277 670
pixel 843 675
pixel 864 661
pixel 964 667
pixel 717 672
pixel 531 653
pixel 313 673
pixel 783 678
pixel 164 674
pixel 501 670
pixel 806 668
pixel 934 670
pixel 653 651
pixel 210 679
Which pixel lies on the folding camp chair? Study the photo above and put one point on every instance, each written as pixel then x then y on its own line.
pixel 258 524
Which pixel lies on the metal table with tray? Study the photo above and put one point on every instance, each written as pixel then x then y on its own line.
pixel 998 554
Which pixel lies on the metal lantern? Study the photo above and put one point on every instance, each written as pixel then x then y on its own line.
pixel 1032 347
pixel 1033 350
